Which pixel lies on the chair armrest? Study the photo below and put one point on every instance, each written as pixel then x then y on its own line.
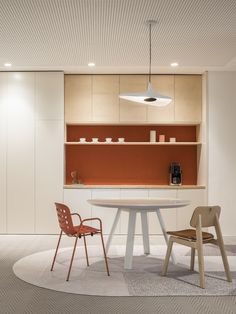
pixel 76 214
pixel 90 219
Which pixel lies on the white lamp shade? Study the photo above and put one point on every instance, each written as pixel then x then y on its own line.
pixel 150 97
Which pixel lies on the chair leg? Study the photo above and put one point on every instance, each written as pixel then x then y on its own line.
pixel 192 258
pixel 199 247
pixel 72 258
pixel 225 261
pixel 55 255
pixel 220 242
pixel 105 256
pixel 86 252
pixel 201 265
pixel 167 258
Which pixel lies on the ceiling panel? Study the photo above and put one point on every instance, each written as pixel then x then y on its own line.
pixel 67 34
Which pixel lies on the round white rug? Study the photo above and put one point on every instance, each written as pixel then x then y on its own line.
pixel 143 280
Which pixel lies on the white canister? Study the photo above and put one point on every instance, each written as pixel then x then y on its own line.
pixel 152 136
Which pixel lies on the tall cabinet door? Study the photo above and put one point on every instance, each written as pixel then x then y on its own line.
pixel 20 153
pixel 188 98
pixel 163 84
pixel 48 149
pixel 3 151
pixel 78 98
pixel 131 111
pixel 106 98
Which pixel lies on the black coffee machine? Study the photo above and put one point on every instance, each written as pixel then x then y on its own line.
pixel 175 174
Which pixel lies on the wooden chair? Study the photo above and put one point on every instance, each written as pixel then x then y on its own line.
pixel 81 230
pixel 206 216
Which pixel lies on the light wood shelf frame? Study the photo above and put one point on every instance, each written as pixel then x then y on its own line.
pixel 135 143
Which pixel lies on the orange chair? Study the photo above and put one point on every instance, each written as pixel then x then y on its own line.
pixel 81 230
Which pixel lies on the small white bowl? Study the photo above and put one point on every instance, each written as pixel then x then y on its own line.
pixel 108 139
pixel 82 139
pixel 121 139
pixel 94 139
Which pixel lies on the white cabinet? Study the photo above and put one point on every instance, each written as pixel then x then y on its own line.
pixel 48 173
pixel 49 95
pixel 169 214
pixel 3 151
pixel 31 154
pixel 174 218
pixel 76 199
pixel 49 136
pixel 197 197
pixel 20 153
pixel 107 215
pixel 222 148
pixel 132 193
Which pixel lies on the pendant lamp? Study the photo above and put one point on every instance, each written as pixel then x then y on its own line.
pixel 150 96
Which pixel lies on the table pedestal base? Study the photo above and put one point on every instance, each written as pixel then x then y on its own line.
pixel 131 234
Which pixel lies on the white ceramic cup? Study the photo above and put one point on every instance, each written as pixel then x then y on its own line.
pixel 172 139
pixel 94 139
pixel 82 139
pixel 108 139
pixel 121 139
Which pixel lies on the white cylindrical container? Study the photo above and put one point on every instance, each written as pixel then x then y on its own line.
pixel 152 136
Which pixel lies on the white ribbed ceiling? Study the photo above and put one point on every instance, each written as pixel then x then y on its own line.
pixel 67 34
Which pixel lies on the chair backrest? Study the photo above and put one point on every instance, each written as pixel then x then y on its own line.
pixel 64 219
pixel 208 214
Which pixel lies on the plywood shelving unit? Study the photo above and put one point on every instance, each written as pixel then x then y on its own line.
pixel 137 160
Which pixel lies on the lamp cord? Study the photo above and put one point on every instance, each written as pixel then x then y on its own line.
pixel 150 52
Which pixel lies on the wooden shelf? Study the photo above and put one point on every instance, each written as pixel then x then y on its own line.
pixel 160 123
pixel 135 143
pixel 134 186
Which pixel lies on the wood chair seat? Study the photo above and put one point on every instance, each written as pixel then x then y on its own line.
pixel 190 235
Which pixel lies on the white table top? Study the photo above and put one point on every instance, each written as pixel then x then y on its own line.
pixel 140 203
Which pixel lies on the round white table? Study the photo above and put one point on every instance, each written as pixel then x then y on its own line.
pixel 134 206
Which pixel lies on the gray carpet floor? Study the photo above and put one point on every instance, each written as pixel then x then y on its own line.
pixel 19 297
pixel 144 279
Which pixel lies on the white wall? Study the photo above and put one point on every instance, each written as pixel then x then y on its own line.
pixel 31 150
pixel 3 149
pixel 222 146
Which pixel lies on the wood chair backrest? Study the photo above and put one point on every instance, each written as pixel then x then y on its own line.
pixel 208 214
pixel 64 219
